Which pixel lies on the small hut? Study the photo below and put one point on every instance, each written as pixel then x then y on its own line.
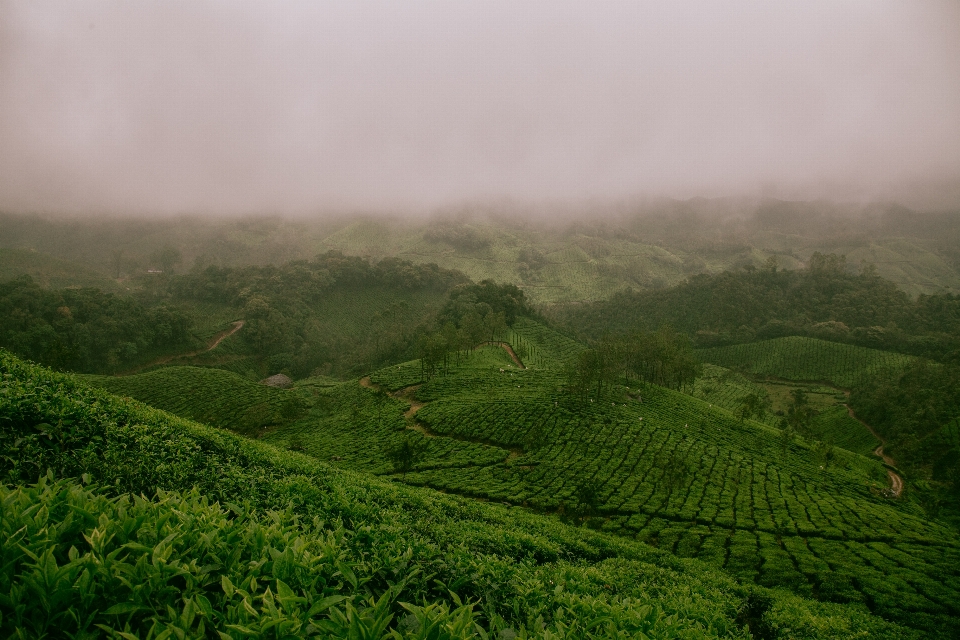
pixel 279 381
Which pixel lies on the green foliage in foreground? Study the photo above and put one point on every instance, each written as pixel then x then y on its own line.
pixel 291 543
pixel 798 358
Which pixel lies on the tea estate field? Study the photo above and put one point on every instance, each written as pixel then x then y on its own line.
pixel 646 463
pixel 169 528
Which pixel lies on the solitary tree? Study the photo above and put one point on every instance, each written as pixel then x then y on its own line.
pixel 588 499
pixel 800 413
pixel 167 258
pixel 787 434
pixel 116 261
pixel 751 405
pixel 405 454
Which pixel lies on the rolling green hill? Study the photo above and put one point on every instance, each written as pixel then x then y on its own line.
pixel 243 539
pixel 661 467
pixel 52 272
pixel 727 389
pixel 799 358
pixel 212 396
pixel 654 465
pixel 591 263
pixel 551 267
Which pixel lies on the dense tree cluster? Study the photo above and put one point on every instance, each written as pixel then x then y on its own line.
pixel 474 313
pixel 824 300
pixel 479 299
pixel 85 329
pixel 303 281
pixel 917 412
pixel 279 305
pixel 663 357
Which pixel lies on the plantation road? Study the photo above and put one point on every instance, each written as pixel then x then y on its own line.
pixel 896 482
pixel 506 347
pixel 213 344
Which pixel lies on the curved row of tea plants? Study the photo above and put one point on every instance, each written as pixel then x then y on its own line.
pixel 212 396
pixel 799 358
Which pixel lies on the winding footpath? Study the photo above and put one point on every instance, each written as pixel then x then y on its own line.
pixel 216 340
pixel 896 482
pixel 506 347
pixel 408 394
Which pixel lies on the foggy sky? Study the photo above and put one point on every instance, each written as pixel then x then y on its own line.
pixel 298 107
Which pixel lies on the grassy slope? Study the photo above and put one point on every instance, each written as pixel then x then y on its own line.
pixel 799 358
pixel 219 398
pixel 50 271
pixel 838 427
pixel 763 510
pixel 481 420
pixel 496 436
pixel 577 267
pixel 726 388
pixel 583 267
pixel 188 562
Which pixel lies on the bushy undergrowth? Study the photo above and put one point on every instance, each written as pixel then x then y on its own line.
pixel 249 541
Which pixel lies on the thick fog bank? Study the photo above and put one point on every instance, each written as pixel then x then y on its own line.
pixel 313 108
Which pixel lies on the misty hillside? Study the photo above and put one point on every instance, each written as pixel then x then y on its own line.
pixel 479 320
pixel 554 258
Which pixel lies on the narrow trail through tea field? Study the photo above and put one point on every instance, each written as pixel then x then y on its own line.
pixel 506 347
pixel 214 342
pixel 896 482
pixel 407 395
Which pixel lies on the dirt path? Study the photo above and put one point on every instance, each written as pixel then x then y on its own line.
pixel 407 394
pixel 506 347
pixel 896 482
pixel 216 340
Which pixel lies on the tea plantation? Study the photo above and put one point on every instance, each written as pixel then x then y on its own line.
pixel 657 466
pixel 799 358
pixel 163 528
pixel 216 397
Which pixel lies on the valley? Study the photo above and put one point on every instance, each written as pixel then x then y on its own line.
pixel 734 430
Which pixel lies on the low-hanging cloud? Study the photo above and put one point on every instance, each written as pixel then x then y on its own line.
pixel 240 107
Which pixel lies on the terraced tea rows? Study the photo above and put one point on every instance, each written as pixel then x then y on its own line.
pixel 693 480
pixel 798 358
pixel 357 427
pixel 651 464
pixel 547 348
pixel 838 427
pixel 213 396
pixel 725 388
pixel 311 551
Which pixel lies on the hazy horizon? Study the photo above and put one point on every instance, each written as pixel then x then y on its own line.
pixel 300 108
